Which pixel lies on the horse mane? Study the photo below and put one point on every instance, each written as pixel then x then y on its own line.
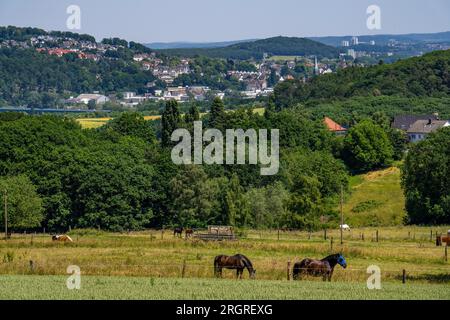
pixel 246 261
pixel 331 256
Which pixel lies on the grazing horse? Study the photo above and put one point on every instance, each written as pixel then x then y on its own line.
pixel 178 231
pixel 189 233
pixel 62 238
pixel 317 268
pixel 238 262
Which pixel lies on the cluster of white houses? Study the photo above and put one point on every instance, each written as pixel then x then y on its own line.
pixel 418 127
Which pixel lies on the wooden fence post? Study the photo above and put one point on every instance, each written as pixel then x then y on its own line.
pixel 377 235
pixel 446 251
pixel 431 235
pixel 325 234
pixel 331 244
pixel 183 270
pixel 278 234
pixel 31 266
pixel 289 270
pixel 404 276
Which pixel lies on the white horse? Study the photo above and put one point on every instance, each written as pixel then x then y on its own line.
pixel 62 238
pixel 344 227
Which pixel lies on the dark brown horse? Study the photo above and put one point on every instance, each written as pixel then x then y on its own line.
pixel 319 268
pixel 189 233
pixel 238 262
pixel 178 231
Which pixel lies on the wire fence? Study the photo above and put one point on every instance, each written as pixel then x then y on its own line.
pixel 329 240
pixel 276 271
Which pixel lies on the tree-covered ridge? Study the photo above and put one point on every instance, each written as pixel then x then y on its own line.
pixel 26 33
pixel 428 75
pixel 290 46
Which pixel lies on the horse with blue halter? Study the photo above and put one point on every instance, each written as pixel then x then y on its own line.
pixel 318 268
pixel 238 262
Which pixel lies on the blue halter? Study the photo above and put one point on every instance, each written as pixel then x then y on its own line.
pixel 341 261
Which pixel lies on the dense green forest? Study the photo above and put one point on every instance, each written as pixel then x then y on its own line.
pixel 121 177
pixel 428 76
pixel 425 180
pixel 255 49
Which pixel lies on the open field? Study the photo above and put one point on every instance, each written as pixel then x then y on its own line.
pixel 146 254
pixel 92 123
pixel 376 200
pixel 54 287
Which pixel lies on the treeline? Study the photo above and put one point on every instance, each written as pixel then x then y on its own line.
pixel 256 49
pixel 23 34
pixel 428 75
pixel 121 177
pixel 35 79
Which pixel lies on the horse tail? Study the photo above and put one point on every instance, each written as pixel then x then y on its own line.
pixel 216 265
pixel 298 269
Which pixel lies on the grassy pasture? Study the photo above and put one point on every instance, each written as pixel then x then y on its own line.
pixel 145 254
pixel 54 287
pixel 376 199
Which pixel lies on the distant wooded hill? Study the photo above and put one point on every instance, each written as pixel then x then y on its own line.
pixel 426 76
pixel 285 46
pixel 192 45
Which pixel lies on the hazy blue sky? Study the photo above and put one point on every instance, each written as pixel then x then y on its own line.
pixel 218 20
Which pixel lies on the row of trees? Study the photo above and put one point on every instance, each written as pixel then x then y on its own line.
pixel 121 177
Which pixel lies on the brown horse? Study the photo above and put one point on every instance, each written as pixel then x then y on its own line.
pixel 178 231
pixel 238 262
pixel 188 233
pixel 317 268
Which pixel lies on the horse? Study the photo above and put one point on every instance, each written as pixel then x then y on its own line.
pixel 188 233
pixel 345 227
pixel 238 262
pixel 317 268
pixel 178 231
pixel 62 238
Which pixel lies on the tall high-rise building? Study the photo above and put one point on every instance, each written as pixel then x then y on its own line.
pixel 345 43
pixel 355 41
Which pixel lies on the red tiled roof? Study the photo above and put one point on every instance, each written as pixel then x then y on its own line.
pixel 333 126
